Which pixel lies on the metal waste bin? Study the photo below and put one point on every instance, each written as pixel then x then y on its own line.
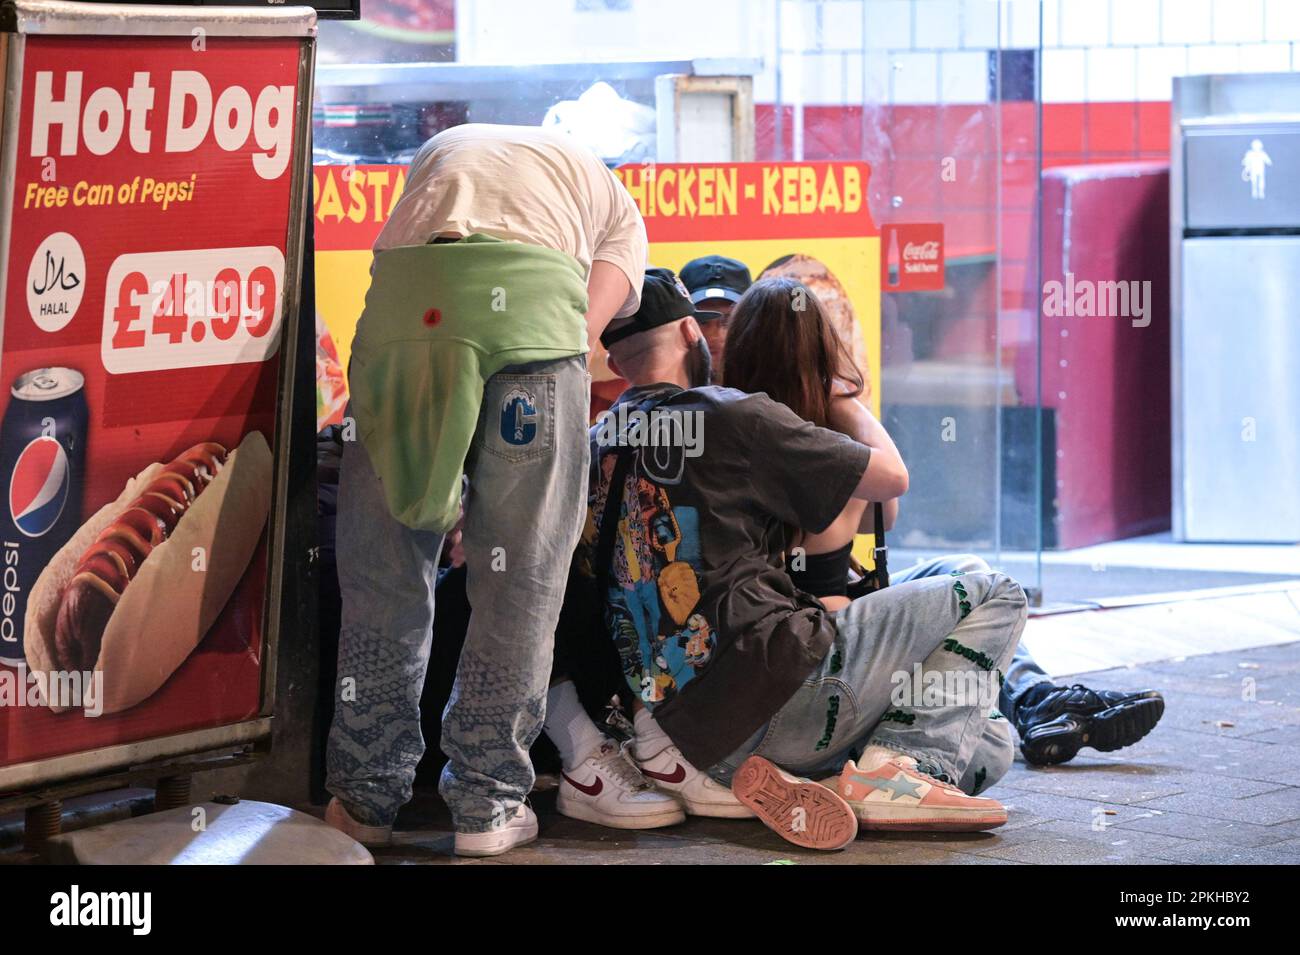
pixel 1235 287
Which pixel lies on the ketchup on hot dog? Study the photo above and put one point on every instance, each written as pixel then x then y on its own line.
pixel 113 560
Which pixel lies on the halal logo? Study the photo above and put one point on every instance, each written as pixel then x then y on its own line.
pixel 54 282
pixel 519 417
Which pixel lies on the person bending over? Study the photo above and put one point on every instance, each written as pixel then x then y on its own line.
pixel 509 250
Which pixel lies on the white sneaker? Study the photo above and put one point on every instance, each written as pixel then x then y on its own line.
pixel 670 772
pixel 519 830
pixel 338 817
pixel 608 789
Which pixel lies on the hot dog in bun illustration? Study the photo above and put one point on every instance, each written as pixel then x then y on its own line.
pixel 139 584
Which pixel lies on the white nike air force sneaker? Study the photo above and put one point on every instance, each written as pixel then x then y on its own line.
pixel 699 793
pixel 607 788
pixel 520 829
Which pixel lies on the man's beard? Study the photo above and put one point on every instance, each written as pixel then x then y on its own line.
pixel 699 364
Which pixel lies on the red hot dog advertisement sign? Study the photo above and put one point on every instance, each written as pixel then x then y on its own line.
pixel 141 344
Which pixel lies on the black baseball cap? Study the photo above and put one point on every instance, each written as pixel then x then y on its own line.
pixel 664 299
pixel 716 276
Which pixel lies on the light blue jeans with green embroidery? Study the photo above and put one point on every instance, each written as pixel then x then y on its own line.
pixel 1023 671
pixel 916 668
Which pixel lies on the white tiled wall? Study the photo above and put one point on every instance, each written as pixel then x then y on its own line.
pixel 842 25
pixel 1272 58
pixel 904 51
pixel 938 23
pixel 1214 58
pixel 1064 75
pixel 1101 50
pixel 1094 50
pixel 1083 22
pixel 1242 21
pixel 915 77
pixel 964 77
pixel 1282 20
pixel 1019 19
pixel 1186 21
pixel 889 24
pixel 1135 47
pixel 1156 68
pixel 1112 73
pixel 979 29
pixel 1134 22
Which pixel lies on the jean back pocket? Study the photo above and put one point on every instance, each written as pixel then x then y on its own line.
pixel 517 423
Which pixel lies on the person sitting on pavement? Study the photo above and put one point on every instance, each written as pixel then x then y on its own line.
pixel 648 783
pixel 746 676
pixel 1053 722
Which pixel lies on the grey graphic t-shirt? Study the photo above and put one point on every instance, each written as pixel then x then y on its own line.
pixel 710 631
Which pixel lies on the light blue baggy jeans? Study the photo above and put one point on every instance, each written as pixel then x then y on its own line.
pixel 1023 671
pixel 524 510
pixel 916 668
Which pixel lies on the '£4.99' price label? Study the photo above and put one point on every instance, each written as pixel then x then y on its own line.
pixel 189 309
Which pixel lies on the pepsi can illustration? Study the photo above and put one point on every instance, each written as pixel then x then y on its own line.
pixel 42 466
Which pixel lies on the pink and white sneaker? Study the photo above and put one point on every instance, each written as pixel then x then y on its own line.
pixel 669 772
pixel 798 810
pixel 607 788
pixel 342 820
pixel 898 796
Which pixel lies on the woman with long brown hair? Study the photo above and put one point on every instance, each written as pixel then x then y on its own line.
pixel 781 342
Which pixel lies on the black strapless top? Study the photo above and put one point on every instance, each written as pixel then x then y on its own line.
pixel 824 575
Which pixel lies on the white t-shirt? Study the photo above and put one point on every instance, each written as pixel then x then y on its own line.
pixel 522 183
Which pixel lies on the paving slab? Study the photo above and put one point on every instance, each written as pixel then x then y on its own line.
pixel 1101 831
pixel 1215 854
pixel 1217 781
pixel 1239 684
pixel 1045 806
pixel 1278 734
pixel 1207 829
pixel 1051 849
pixel 1263 809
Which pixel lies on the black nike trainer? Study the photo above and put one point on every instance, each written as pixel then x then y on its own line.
pixel 1064 719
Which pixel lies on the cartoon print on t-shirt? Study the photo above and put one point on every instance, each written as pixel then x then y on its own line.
pixel 662 638
pixel 699 641
pixel 634 560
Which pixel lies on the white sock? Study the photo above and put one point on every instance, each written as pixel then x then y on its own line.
pixel 874 756
pixel 650 739
pixel 568 726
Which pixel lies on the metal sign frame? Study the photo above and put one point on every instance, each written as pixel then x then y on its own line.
pixel 20 19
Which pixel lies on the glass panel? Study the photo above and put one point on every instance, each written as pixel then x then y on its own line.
pixel 947 117
pixel 937 96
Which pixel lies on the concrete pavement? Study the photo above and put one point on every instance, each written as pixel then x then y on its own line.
pixel 1217 781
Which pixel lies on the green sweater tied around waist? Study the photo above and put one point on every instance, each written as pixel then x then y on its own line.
pixel 439 321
